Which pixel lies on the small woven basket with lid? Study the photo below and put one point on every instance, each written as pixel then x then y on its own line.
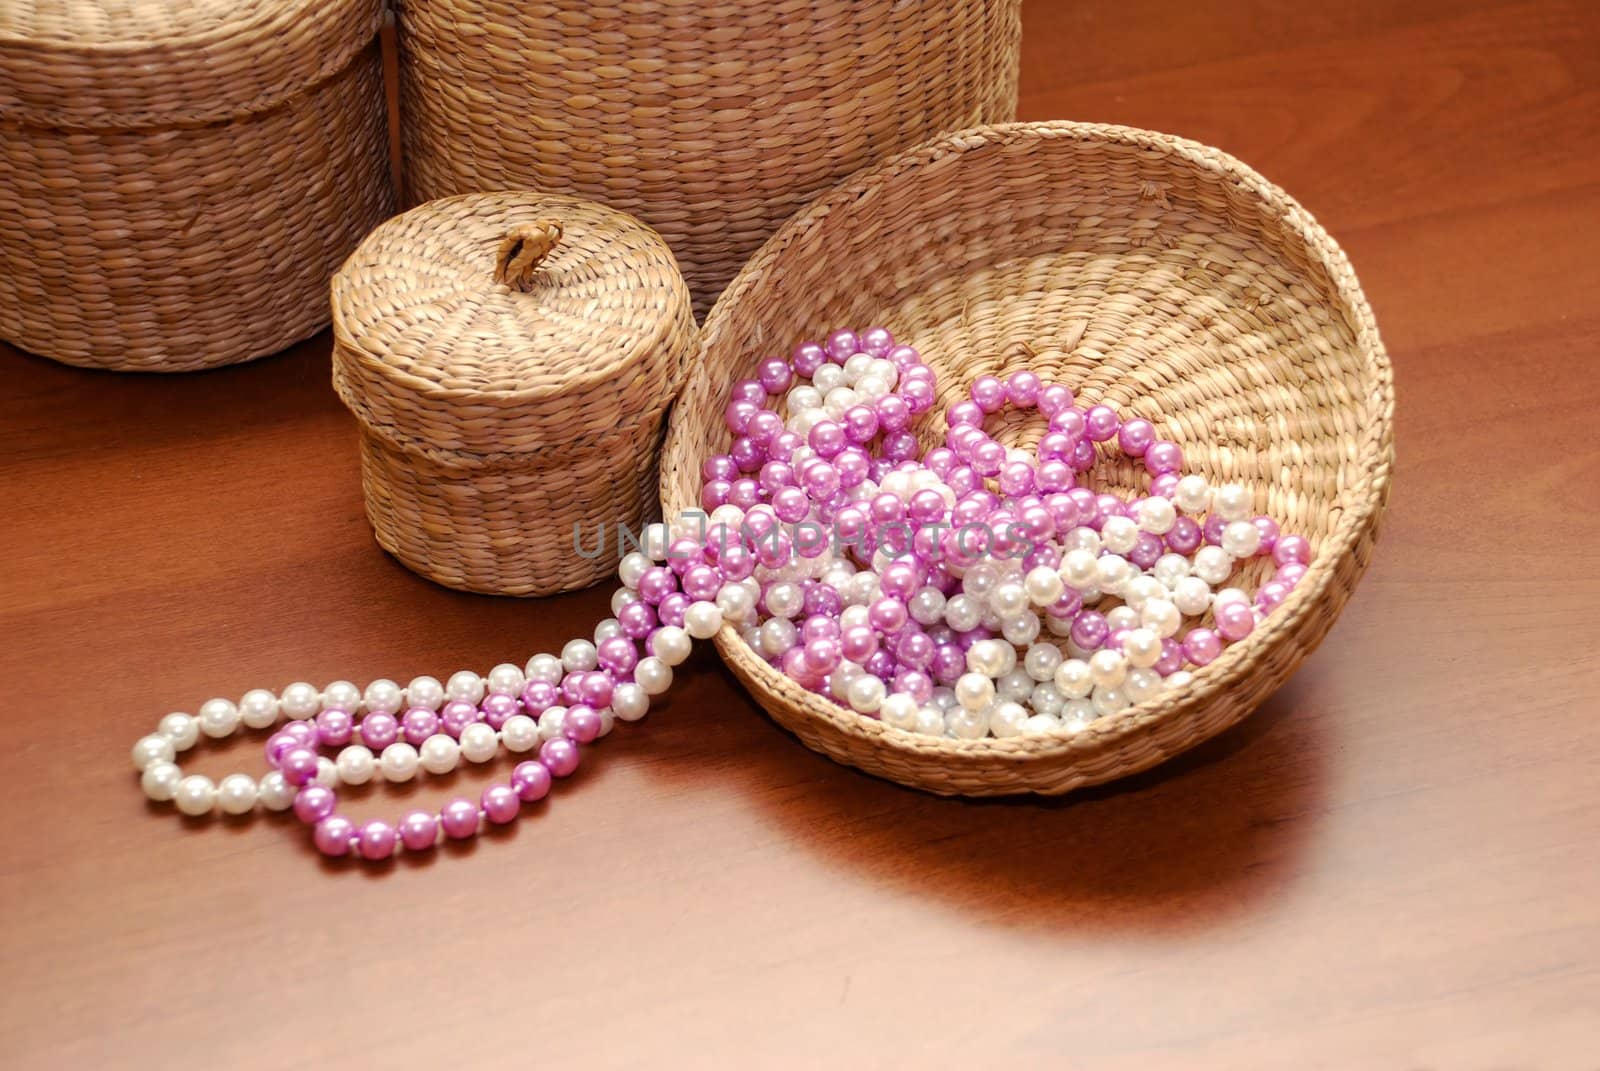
pixel 510 358
pixel 711 120
pixel 178 180
pixel 1153 272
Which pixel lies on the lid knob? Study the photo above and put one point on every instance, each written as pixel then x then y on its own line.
pixel 522 250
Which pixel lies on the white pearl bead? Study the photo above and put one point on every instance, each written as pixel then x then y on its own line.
pixel 1074 678
pixel 974 691
pixel 160 781
pixel 465 686
pixel 300 701
pixel 274 793
pixel 871 387
pixel 1008 598
pixel 1192 596
pixel 785 599
pixel 258 708
pixel 1142 647
pixel 980 580
pixel 506 679
pixel 1156 515
pixel 152 749
pixel 236 794
pixel 327 774
pixel 1119 534
pixel 963 612
pixel 383 697
pixel 1213 564
pixel 1080 569
pixel 1022 629
pixel 623 598
pixel 439 754
pixel 1109 700
pixel 1180 679
pixel 195 795
pixel 854 617
pixel 776 636
pixel 608 721
pixel 1142 683
pixel 1193 495
pixel 1007 719
pixel 985 657
pixel 218 717
pixel 1120 617
pixel 672 644
pixel 1141 589
pixel 857 366
pixel 1046 698
pixel 828 377
pixel 734 601
pixel 630 570
pixel 545 667
pixel 927 606
pixel 1111 572
pixel 425 692
pixel 521 733
pixel 653 675
pixel 898 710
pixel 656 539
pixel 1077 714
pixel 930 721
pixel 1040 724
pixel 1241 539
pixel 182 730
pixel 1161 616
pixel 342 695
pixel 356 765
pixel 1058 626
pixel 803 397
pixel 837 401
pixel 1015 686
pixel 1043 585
pixel 702 620
pixel 1042 661
pixel 944 698
pixel 1108 668
pixel 1170 568
pixel 967 724
pixel 552 722
pixel 1082 538
pixel 479 742
pixel 1231 502
pixel 398 762
pixel 629 701
pixel 866 694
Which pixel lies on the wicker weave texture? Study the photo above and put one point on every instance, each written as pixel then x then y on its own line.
pixel 176 198
pixel 510 357
pixel 1146 270
pixel 711 121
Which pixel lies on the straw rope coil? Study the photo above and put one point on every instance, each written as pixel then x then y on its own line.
pixel 510 358
pixel 711 120
pixel 1153 272
pixel 179 178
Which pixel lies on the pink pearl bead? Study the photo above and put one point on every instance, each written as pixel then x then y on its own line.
pixel 560 757
pixel 501 804
pixel 459 819
pixel 333 835
pixel 313 804
pixel 419 831
pixel 376 840
pixel 531 779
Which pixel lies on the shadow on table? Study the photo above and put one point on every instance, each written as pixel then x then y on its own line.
pixel 1212 834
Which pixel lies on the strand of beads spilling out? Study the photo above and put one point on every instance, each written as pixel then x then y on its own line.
pixel 903 587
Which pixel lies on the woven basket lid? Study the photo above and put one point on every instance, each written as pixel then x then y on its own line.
pixel 119 64
pixel 500 323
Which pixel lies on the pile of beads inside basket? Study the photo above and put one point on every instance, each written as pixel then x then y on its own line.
pixel 902 586
pixel 916 589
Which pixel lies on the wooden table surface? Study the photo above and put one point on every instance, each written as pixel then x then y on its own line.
pixel 1394 864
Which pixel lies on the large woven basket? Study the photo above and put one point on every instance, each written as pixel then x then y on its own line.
pixel 1137 267
pixel 711 120
pixel 510 358
pixel 179 180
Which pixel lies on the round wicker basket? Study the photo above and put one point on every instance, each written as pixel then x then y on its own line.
pixel 711 120
pixel 510 358
pixel 1154 272
pixel 178 181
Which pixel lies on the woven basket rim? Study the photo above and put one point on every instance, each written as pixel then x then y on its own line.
pixel 261 16
pixel 1358 514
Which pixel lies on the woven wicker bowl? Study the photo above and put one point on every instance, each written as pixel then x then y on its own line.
pixel 1156 273
pixel 712 122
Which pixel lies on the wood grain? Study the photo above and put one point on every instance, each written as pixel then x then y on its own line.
pixel 1391 865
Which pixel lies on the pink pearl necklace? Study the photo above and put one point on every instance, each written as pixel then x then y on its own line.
pixel 901 587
